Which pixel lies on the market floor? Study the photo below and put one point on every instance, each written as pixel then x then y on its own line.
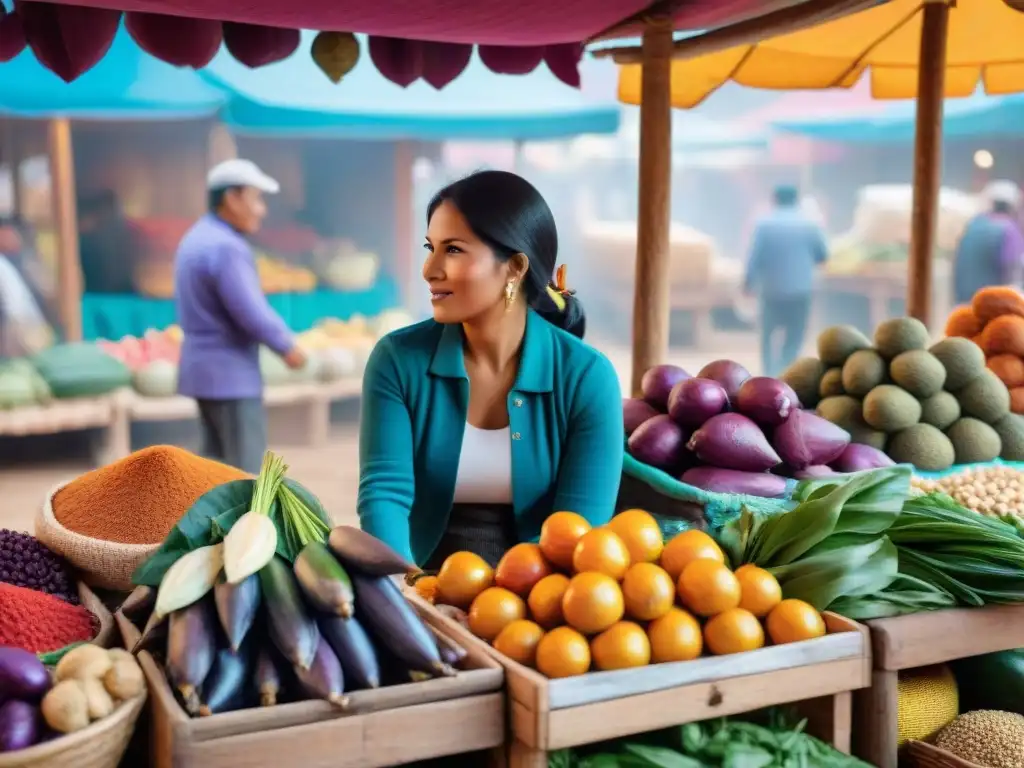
pixel 332 472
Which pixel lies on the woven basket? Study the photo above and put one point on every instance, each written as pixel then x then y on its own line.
pixel 101 745
pixel 102 564
pixel 925 755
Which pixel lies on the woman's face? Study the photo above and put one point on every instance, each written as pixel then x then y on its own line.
pixel 465 278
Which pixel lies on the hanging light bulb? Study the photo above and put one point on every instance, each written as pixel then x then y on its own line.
pixel 983 159
pixel 336 53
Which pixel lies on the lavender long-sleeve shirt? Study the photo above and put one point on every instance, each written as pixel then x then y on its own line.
pixel 223 313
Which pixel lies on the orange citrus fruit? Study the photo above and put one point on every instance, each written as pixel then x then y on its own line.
pixel 759 591
pixel 558 537
pixel 518 640
pixel 493 610
pixel 648 591
pixel 676 636
pixel 733 631
pixel 563 652
pixel 794 620
pixel 743 568
pixel 603 551
pixel 545 600
pixel 640 531
pixel 592 602
pixel 708 587
pixel 520 568
pixel 621 646
pixel 462 577
pixel 426 587
pixel 683 548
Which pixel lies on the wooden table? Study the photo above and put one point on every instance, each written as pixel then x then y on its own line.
pixel 70 415
pixel 304 407
pixel 921 640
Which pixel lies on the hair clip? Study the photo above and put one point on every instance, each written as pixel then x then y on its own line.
pixel 557 289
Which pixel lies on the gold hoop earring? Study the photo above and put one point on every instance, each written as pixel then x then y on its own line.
pixel 510 295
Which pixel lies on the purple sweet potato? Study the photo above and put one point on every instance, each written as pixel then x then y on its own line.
pixel 694 401
pixel 856 457
pixel 767 401
pixel 736 481
pixel 732 441
pixel 805 439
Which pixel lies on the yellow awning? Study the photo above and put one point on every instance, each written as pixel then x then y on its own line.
pixel 985 45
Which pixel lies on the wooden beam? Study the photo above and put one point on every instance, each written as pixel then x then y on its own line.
pixel 782 22
pixel 651 306
pixel 931 87
pixel 69 268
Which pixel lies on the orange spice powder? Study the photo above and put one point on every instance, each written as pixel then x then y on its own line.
pixel 140 498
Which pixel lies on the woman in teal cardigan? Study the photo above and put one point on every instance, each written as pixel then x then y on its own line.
pixel 479 423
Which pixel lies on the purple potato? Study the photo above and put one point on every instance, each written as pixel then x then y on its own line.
pixel 805 439
pixel 659 442
pixel 657 383
pixel 694 401
pixel 732 441
pixel 728 373
pixel 635 412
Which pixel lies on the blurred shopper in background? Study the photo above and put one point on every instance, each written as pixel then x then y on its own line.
pixel 225 317
pixel 26 322
pixel 107 244
pixel 786 247
pixel 991 249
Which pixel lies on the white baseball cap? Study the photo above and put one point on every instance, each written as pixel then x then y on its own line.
pixel 240 173
pixel 1003 191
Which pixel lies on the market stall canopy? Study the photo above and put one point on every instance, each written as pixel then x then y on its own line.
pixel 127 84
pixel 290 99
pixel 985 45
pixel 978 115
pixel 408 40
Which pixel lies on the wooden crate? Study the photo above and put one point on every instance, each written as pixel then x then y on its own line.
pixel 921 640
pixel 388 726
pixel 554 714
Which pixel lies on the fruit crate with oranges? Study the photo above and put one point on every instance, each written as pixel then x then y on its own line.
pixel 612 631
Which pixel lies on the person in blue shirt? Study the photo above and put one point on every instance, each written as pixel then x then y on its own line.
pixel 991 249
pixel 787 246
pixel 224 317
pixel 480 422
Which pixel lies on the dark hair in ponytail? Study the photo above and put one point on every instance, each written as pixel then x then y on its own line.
pixel 506 212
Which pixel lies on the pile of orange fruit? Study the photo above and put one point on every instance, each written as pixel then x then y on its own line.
pixel 617 596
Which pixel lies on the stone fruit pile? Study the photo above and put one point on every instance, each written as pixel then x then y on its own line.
pixel 994 320
pixel 932 407
pixel 618 596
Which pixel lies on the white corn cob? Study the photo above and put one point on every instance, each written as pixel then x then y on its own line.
pixel 249 545
pixel 189 579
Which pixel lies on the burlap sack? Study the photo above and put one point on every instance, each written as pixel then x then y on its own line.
pixel 101 564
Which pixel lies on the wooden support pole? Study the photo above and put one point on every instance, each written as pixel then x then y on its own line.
pixel 931 85
pixel 651 306
pixel 69 268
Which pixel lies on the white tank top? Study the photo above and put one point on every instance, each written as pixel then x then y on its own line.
pixel 485 467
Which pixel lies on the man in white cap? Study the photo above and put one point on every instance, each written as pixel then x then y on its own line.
pixel 991 249
pixel 225 317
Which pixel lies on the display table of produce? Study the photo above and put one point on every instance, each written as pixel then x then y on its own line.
pixel 552 714
pixel 388 726
pixel 265 632
pixel 921 640
pixel 314 398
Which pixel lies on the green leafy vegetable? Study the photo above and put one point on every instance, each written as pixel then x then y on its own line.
pixel 213 514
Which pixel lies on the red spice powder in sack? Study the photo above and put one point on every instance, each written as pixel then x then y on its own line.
pixel 39 622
